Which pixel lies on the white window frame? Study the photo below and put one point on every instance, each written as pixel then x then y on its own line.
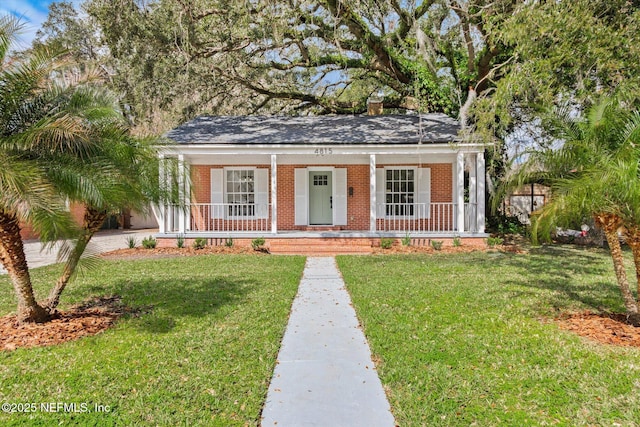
pixel 226 192
pixel 415 190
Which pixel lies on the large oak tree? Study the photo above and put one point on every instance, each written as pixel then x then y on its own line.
pixel 299 57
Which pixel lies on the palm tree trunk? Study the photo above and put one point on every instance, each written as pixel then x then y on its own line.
pixel 610 224
pixel 14 261
pixel 633 240
pixel 93 220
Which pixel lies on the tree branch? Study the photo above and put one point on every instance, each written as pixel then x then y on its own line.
pixel 361 31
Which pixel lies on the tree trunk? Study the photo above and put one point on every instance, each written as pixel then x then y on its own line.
pixel 93 220
pixel 610 224
pixel 14 261
pixel 633 240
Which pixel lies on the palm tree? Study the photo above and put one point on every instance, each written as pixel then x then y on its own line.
pixel 122 174
pixel 594 174
pixel 58 142
pixel 25 193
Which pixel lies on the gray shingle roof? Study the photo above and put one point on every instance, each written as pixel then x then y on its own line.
pixel 383 129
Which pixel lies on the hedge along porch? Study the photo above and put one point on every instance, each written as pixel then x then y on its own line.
pixel 326 176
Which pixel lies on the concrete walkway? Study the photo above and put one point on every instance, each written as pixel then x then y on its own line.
pixel 103 241
pixel 325 375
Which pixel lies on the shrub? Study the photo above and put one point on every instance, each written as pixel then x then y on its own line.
pixel 180 241
pixel 406 240
pixel 494 241
pixel 506 224
pixel 257 244
pixel 199 243
pixel 457 241
pixel 386 243
pixel 149 242
pixel 436 244
pixel 132 242
pixel 228 242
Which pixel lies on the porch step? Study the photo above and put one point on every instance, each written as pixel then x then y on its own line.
pixel 321 228
pixel 320 246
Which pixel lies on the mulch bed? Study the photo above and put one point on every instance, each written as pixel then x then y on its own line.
pixel 142 253
pixel 605 328
pixel 89 318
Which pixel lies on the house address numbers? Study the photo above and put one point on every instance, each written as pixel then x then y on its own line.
pixel 323 151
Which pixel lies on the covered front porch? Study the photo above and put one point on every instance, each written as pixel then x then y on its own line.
pixel 358 192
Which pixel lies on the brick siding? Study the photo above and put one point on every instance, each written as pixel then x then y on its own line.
pixel 358 204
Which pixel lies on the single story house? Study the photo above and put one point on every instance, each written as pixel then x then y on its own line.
pixel 349 177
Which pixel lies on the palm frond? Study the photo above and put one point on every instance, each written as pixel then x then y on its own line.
pixel 10 28
pixel 595 171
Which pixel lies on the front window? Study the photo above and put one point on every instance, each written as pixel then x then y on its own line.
pixel 399 192
pixel 240 192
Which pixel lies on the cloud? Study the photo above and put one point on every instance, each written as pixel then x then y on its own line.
pixel 32 12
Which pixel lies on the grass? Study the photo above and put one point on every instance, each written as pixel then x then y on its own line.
pixel 461 340
pixel 203 355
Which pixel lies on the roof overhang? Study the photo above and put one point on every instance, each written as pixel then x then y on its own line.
pixel 318 149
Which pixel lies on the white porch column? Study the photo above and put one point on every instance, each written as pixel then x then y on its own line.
pixel 181 198
pixel 161 212
pixel 274 193
pixel 187 194
pixel 480 214
pixel 473 197
pixel 460 191
pixel 372 193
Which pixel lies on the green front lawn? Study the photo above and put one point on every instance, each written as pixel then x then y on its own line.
pixel 464 340
pixel 203 355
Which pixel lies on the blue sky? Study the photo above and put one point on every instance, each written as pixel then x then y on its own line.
pixel 33 12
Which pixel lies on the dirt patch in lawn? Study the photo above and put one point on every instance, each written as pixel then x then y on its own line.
pixel 605 328
pixel 89 318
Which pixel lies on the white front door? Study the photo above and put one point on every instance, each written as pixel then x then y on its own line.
pixel 320 198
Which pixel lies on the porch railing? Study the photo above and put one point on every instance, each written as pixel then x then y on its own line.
pixel 391 217
pixel 416 217
pixel 220 217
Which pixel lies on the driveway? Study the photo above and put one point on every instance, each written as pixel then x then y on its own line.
pixel 103 241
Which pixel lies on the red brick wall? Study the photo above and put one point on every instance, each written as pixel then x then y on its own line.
pixel 357 205
pixel 201 183
pixel 357 178
pixel 201 193
pixel 77 213
pixel 26 231
pixel 286 197
pixel 441 180
pixel 442 217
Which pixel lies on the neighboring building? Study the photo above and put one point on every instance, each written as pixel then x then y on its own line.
pixel 128 220
pixel 358 177
pixel 77 213
pixel 526 199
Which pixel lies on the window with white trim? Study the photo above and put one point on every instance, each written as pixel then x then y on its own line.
pixel 240 194
pixel 400 192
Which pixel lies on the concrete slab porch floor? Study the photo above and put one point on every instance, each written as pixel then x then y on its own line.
pixel 325 375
